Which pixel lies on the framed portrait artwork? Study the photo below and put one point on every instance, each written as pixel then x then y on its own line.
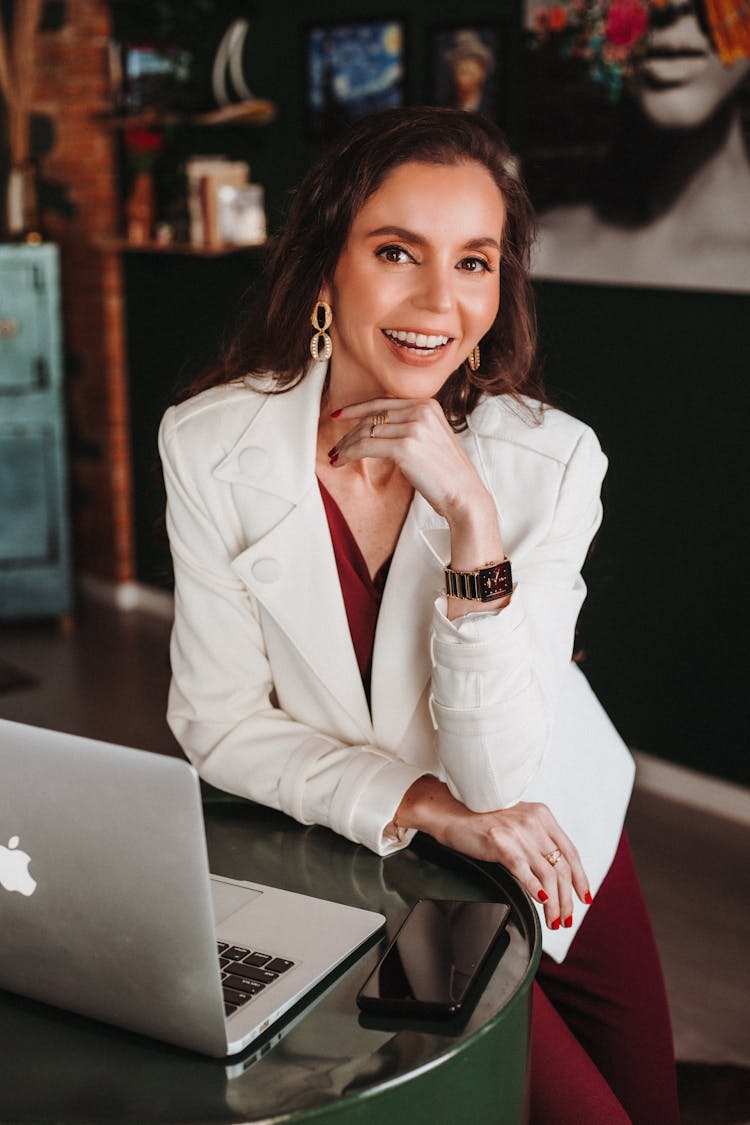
pixel 352 69
pixel 466 67
pixel 636 138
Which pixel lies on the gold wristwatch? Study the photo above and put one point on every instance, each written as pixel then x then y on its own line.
pixel 493 580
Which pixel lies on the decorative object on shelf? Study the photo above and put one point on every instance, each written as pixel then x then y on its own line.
pixel 237 104
pixel 17 79
pixel 206 177
pixel 352 69
pixel 241 215
pixel 228 63
pixel 140 209
pixel 142 147
pixel 159 68
pixel 154 77
pixel 21 209
pixel 257 111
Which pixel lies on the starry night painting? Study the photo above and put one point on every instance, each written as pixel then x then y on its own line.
pixel 352 70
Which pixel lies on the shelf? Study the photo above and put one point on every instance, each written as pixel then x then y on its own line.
pixel 116 245
pixel 256 111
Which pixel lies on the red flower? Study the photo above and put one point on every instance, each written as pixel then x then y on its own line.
pixel 627 21
pixel 142 141
pixel 558 17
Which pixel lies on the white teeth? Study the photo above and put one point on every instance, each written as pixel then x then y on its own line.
pixel 418 339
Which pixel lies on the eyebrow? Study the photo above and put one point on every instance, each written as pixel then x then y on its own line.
pixel 419 240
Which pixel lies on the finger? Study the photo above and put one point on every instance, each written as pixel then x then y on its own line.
pixel 357 410
pixel 555 887
pixel 564 892
pixel 546 875
pixel 368 426
pixel 543 888
pixel 358 444
pixel 570 851
pixel 578 875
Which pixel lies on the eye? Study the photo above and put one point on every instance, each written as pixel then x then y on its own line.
pixel 394 254
pixel 475 265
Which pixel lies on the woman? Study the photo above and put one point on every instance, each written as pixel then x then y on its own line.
pixel 316 666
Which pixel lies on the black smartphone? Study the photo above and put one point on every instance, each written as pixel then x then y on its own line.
pixel 428 969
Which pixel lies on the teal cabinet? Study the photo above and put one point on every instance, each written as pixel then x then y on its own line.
pixel 35 569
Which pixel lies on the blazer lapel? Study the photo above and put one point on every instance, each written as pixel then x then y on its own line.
pixel 292 572
pixel 289 565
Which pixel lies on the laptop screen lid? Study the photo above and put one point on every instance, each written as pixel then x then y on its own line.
pixel 105 900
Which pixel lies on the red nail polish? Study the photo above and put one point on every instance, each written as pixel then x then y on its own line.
pixel 543 896
pixel 587 898
pixel 335 413
pixel 334 459
pixel 555 925
pixel 331 451
pixel 568 922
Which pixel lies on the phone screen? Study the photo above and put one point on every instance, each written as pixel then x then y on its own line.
pixel 430 965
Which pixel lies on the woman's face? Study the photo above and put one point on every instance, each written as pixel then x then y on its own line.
pixel 681 81
pixel 417 284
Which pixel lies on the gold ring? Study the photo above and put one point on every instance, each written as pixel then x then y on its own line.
pixel 378 420
pixel 553 857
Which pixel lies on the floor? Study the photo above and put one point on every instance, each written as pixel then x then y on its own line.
pixel 107 678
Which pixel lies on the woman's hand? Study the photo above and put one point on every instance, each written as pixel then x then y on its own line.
pixel 418 439
pixel 519 838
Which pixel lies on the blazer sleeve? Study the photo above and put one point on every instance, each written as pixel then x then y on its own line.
pixel 221 704
pixel 496 676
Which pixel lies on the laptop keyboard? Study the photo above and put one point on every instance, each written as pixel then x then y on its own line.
pixel 246 972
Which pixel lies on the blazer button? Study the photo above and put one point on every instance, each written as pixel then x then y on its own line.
pixel 267 570
pixel 254 462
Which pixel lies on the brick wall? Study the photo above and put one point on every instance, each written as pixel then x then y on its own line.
pixel 72 90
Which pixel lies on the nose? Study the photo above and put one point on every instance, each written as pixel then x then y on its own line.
pixel 435 291
pixel 673 10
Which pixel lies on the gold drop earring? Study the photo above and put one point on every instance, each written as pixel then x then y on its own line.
pixel 474 358
pixel 321 341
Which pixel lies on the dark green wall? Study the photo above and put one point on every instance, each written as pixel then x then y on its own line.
pixel 661 375
pixel 663 378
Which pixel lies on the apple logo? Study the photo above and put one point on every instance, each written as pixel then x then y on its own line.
pixel 14 869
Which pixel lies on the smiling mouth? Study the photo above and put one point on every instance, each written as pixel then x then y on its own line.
pixel 418 343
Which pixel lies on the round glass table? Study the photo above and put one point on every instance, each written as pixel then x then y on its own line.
pixel 325 1061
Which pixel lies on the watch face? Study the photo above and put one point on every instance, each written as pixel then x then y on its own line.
pixel 496 581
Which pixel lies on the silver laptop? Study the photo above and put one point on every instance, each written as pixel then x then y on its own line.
pixel 107 907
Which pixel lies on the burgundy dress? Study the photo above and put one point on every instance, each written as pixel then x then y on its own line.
pixel 362 594
pixel 601 1041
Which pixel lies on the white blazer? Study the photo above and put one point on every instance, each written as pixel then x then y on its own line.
pixel 266 697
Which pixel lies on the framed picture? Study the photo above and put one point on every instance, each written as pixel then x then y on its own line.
pixel 627 122
pixel 466 67
pixel 352 69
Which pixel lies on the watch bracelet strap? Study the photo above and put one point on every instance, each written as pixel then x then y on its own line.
pixel 495 580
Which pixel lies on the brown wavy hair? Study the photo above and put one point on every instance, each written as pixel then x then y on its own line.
pixel 275 335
